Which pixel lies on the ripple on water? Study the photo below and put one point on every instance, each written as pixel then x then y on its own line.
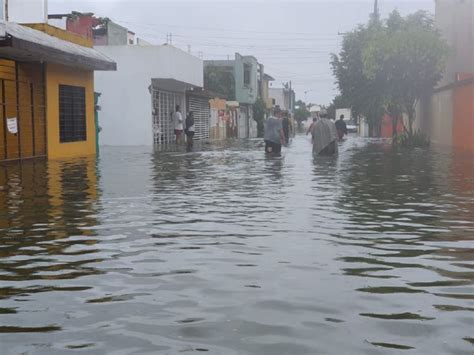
pixel 227 251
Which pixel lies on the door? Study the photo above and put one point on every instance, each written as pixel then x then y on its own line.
pixel 164 104
pixel 200 107
pixel 22 111
pixel 242 123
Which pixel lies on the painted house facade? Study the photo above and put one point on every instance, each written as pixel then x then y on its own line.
pixel 47 92
pixel 447 114
pixel 245 71
pixel 138 100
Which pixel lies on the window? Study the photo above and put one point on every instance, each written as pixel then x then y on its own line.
pixel 247 70
pixel 72 114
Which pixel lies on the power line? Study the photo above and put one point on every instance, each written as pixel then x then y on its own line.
pixel 225 29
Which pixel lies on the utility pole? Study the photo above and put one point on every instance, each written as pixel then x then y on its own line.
pixel 6 10
pixel 291 99
pixel 45 11
pixel 376 10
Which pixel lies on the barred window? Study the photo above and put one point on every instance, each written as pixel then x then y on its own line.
pixel 72 113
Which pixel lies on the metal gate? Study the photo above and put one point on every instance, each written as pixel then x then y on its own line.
pixel 202 116
pixel 242 124
pixel 22 111
pixel 164 104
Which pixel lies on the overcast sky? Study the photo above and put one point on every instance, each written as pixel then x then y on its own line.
pixel 293 39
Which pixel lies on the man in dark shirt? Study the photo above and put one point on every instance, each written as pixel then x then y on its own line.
pixel 341 128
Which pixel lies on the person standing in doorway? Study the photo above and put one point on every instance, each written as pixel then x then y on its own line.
pixel 178 124
pixel 341 128
pixel 274 136
pixel 190 130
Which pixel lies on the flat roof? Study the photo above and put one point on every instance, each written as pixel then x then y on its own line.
pixel 26 44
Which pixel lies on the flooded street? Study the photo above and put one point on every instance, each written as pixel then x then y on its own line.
pixel 226 251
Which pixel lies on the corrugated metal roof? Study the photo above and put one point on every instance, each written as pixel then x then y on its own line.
pixel 24 43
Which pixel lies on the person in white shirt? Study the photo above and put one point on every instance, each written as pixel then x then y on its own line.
pixel 178 124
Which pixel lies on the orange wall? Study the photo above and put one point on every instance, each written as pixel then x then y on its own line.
pixel 30 140
pixel 387 129
pixel 60 75
pixel 463 116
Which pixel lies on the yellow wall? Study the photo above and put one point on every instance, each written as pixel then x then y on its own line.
pixel 218 104
pixel 62 34
pixel 60 75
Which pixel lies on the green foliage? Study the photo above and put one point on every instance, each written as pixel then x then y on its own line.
pixel 301 113
pixel 360 91
pixel 259 109
pixel 388 66
pixel 409 56
pixel 220 80
pixel 415 140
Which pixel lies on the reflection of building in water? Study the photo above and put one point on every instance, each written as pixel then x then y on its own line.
pixel 72 191
pixel 48 200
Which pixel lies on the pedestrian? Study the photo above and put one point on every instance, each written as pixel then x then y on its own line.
pixel 310 129
pixel 178 124
pixel 274 136
pixel 286 128
pixel 190 129
pixel 324 136
pixel 341 128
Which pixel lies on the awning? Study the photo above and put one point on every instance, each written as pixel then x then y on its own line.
pixel 26 44
pixel 173 85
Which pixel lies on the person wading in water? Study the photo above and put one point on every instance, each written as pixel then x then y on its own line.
pixel 341 128
pixel 274 136
pixel 324 134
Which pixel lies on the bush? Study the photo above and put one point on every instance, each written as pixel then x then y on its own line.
pixel 417 140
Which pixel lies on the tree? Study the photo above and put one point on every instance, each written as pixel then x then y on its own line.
pixel 388 66
pixel 361 92
pixel 220 80
pixel 301 112
pixel 410 56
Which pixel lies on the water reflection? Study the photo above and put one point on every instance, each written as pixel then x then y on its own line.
pixel 44 209
pixel 229 251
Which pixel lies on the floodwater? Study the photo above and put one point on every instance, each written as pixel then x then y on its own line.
pixel 226 251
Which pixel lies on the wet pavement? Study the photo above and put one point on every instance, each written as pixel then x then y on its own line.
pixel 226 251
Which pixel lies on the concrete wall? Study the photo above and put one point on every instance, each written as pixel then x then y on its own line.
pixel 245 94
pixel 454 18
pixel 436 115
pixel 116 35
pixel 463 117
pixel 279 96
pixel 126 116
pixel 441 122
pixel 28 11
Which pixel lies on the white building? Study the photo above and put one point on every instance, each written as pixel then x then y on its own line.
pixel 138 99
pixel 283 97
pixel 24 11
